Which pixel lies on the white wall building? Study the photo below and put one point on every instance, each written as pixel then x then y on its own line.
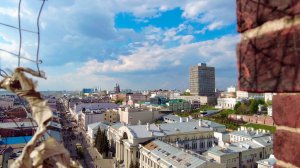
pixel 247 95
pixel 242 154
pixel 188 135
pixel 226 103
pixel 270 111
pixel 244 134
pixel 89 117
pixel 157 153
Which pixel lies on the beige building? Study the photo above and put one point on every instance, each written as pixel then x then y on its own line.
pixel 242 154
pixel 156 154
pixel 111 116
pixel 189 135
pixel 133 116
pixel 202 80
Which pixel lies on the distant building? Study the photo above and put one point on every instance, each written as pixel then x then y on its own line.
pixel 158 100
pixel 90 116
pixel 117 88
pixel 87 91
pixel 111 116
pixel 202 80
pixel 226 103
pixel 179 105
pixel 133 116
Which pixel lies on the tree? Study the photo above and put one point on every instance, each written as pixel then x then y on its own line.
pixel 119 101
pixel 242 109
pixel 253 106
pixel 237 105
pixel 98 140
pixel 104 146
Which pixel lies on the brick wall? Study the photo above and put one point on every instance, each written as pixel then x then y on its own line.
pixel 269 61
pixel 266 120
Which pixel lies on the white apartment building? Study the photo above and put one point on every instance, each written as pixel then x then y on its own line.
pixel 188 135
pixel 247 95
pixel 78 107
pixel 89 117
pixel 226 103
pixel 244 134
pixel 242 154
pixel 158 154
pixel 176 119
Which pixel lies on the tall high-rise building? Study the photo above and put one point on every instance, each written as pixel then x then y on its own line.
pixel 202 80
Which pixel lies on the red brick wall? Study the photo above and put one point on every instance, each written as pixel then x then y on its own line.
pixel 269 61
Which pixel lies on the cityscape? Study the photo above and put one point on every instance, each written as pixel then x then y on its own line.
pixel 166 84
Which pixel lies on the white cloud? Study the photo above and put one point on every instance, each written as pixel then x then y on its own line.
pixel 218 52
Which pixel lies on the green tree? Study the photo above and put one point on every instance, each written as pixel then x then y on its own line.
pixel 253 106
pixel 98 139
pixel 242 109
pixel 119 101
pixel 237 105
pixel 104 146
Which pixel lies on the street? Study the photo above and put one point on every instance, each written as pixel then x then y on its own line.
pixel 73 135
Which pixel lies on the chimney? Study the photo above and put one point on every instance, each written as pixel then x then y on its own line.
pixel 148 126
pixel 180 119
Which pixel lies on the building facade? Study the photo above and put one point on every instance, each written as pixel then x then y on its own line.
pixel 202 80
pixel 188 135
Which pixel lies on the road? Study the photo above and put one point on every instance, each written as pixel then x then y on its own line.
pixel 72 134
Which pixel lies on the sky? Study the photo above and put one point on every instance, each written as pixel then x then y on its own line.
pixel 140 44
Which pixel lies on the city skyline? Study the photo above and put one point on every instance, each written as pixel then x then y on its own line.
pixel 141 45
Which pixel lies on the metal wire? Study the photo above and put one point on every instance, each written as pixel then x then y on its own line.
pixel 20 33
pixel 38 32
pixel 19 28
pixel 14 27
pixel 25 58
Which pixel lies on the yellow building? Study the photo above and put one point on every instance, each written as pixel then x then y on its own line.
pixel 111 116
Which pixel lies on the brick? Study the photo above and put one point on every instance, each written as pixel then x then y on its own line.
pixel 286 147
pixel 286 110
pixel 270 63
pixel 253 13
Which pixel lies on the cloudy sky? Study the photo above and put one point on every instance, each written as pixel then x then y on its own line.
pixel 140 44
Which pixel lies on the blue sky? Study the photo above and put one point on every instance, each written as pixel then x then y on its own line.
pixel 147 44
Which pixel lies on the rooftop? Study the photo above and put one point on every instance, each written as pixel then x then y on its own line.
pixel 140 131
pixel 170 154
